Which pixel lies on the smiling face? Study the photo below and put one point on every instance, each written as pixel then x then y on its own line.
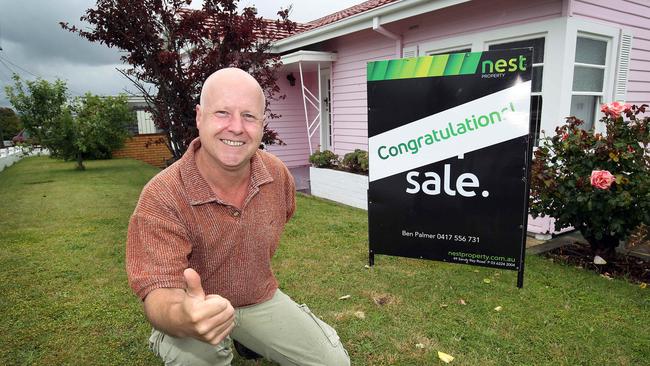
pixel 230 120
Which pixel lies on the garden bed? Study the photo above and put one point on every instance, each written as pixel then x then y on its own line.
pixel 624 266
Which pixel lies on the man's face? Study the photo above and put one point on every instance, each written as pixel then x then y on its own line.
pixel 230 122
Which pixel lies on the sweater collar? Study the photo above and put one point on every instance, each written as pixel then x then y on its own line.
pixel 199 190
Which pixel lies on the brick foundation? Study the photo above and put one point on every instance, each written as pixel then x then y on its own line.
pixel 145 148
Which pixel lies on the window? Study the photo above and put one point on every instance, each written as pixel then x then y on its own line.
pixel 588 79
pixel 537 45
pixel 448 51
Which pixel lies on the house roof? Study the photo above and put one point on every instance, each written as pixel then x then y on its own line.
pixel 371 14
pixel 272 29
pixel 345 13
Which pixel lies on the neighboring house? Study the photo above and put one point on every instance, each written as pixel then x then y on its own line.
pixel 586 52
pixel 147 142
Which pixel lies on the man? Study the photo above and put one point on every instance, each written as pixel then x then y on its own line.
pixel 201 239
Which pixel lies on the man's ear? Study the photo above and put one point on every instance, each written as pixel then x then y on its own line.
pixel 198 115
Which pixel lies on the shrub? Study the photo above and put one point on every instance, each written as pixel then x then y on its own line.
pixel 324 159
pixel 356 162
pixel 599 184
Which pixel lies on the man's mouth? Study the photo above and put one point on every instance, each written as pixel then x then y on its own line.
pixel 232 143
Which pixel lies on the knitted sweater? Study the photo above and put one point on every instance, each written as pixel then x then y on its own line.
pixel 179 222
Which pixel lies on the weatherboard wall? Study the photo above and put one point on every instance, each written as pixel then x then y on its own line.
pixel 635 16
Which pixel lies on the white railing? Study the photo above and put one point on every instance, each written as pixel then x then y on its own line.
pixel 10 155
pixel 9 151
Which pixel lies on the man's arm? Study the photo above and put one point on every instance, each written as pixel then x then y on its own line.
pixel 189 312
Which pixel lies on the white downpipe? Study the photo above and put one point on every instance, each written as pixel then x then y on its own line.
pixel 377 27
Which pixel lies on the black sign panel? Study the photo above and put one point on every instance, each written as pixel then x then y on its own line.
pixel 448 148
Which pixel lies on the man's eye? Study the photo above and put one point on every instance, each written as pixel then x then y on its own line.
pixel 222 114
pixel 249 117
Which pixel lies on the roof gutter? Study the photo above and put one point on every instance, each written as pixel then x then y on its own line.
pixel 388 13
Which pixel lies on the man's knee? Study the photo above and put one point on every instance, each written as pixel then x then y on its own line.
pixel 189 351
pixel 337 356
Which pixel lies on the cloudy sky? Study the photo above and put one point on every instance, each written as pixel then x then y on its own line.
pixel 34 45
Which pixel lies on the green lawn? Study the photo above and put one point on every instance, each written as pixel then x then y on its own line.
pixel 65 300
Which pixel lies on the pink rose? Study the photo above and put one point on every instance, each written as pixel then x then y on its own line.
pixel 602 179
pixel 614 109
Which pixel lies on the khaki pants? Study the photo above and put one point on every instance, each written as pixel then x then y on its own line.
pixel 278 329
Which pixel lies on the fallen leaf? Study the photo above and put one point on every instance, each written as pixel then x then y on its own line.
pixel 498 308
pixel 366 266
pixel 606 275
pixel 476 271
pixel 487 280
pixel 344 297
pixel 462 302
pixel 443 305
pixel 419 345
pixel 360 314
pixel 445 357
pixel 643 285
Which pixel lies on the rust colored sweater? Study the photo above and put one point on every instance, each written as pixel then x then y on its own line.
pixel 179 222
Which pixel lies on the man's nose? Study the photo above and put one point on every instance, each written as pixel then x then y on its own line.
pixel 236 124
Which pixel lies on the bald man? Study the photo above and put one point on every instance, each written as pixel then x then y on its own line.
pixel 201 238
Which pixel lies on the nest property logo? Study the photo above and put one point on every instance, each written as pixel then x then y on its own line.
pixel 499 67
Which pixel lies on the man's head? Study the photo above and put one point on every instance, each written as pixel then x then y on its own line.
pixel 230 119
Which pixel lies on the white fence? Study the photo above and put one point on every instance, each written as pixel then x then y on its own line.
pixel 10 155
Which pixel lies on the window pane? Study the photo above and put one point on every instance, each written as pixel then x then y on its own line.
pixel 591 51
pixel 588 79
pixel 537 44
pixel 537 78
pixel 535 117
pixel 584 107
pixel 462 50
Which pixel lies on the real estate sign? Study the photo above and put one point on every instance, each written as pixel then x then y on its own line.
pixel 449 153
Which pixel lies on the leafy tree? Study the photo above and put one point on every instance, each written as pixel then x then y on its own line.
pixel 10 124
pixel 89 127
pixel 40 104
pixel 101 125
pixel 176 49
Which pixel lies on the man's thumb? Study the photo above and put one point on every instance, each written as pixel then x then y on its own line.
pixel 193 282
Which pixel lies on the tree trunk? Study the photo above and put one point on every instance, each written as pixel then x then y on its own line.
pixel 80 164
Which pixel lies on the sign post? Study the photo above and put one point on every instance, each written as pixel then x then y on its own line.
pixel 449 157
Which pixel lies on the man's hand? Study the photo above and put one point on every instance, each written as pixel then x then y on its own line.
pixel 210 318
pixel 189 312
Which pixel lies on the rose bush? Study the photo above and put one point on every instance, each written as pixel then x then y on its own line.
pixel 597 183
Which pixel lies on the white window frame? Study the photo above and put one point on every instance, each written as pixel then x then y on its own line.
pixel 600 96
pixel 598 31
pixel 453 49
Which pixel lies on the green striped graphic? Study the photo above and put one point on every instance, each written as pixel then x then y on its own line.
pixel 425 66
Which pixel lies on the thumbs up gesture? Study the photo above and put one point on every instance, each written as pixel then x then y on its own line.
pixel 207 318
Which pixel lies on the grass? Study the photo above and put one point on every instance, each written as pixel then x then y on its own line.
pixel 65 299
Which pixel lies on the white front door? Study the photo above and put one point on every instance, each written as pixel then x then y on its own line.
pixel 326 110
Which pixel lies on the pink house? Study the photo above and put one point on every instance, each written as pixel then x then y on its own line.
pixel 586 52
